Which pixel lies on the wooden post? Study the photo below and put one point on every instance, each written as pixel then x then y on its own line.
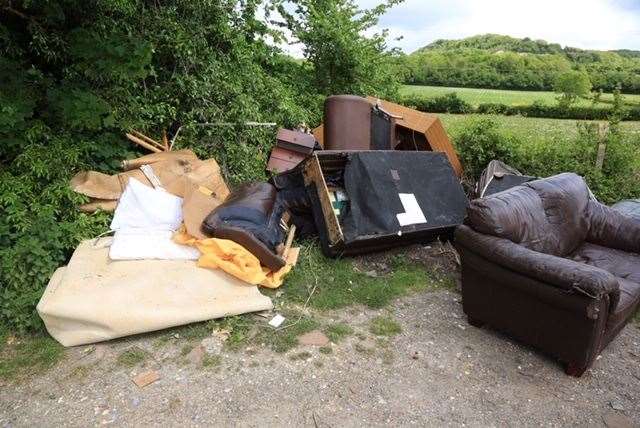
pixel 603 131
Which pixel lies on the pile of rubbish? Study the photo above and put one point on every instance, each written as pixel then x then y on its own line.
pixel 186 248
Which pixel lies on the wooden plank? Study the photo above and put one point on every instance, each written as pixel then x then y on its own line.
pixel 313 174
pixel 144 144
pixel 603 130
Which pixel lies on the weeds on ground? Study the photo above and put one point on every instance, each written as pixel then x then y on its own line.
pixel 326 350
pixel 132 357
pixel 285 338
pixel 305 355
pixel 211 361
pixel 27 355
pixel 384 326
pixel 186 349
pixel 337 332
pixel 336 283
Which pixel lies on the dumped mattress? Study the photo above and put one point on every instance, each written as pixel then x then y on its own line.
pixel 93 299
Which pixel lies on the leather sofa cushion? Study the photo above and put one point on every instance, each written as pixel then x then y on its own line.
pixel 620 263
pixel 627 304
pixel 547 216
pixel 625 267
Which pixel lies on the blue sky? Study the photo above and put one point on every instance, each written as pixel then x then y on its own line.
pixel 588 24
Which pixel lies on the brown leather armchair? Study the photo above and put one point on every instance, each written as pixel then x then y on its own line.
pixel 551 267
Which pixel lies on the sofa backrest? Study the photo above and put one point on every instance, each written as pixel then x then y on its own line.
pixel 547 215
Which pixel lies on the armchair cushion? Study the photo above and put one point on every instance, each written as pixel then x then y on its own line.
pixel 620 263
pixel 627 304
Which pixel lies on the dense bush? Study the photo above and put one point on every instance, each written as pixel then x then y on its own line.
pixel 482 140
pixel 74 75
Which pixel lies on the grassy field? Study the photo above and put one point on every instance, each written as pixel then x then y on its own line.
pixel 527 128
pixel 476 96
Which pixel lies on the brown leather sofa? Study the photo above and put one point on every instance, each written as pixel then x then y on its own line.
pixel 551 267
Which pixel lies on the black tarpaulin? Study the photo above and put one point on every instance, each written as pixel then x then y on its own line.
pixel 497 177
pixel 394 192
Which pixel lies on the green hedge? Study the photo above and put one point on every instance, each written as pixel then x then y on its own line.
pixel 483 139
pixel 452 103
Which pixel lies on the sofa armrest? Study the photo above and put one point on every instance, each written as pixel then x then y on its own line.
pixel 612 229
pixel 563 273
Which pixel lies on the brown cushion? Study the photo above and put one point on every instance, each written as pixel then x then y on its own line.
pixel 625 267
pixel 627 304
pixel 548 215
pixel 620 263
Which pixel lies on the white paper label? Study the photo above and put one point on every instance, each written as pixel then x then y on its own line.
pixel 276 321
pixel 412 213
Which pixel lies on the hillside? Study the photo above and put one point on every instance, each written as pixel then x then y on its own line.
pixel 503 62
pixel 497 42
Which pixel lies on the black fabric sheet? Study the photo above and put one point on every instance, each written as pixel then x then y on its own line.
pixel 497 177
pixel 374 181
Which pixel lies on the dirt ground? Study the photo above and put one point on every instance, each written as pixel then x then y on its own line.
pixel 438 371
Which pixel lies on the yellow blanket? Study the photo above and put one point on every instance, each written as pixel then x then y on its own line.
pixel 236 260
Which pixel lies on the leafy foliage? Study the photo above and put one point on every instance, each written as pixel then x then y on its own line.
pixel 342 59
pixel 482 139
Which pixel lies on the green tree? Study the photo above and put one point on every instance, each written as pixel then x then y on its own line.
pixel 571 85
pixel 344 59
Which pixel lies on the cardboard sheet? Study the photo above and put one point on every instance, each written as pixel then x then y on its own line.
pixel 95 299
pixel 177 172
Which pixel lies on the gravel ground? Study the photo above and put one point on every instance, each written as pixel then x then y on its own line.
pixel 438 371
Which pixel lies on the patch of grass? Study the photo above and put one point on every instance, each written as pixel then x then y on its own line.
pixel 28 355
pixel 475 96
pixel 196 331
pixel 305 355
pixel 186 349
pixel 79 372
pixel 527 129
pixel 284 339
pixel 318 363
pixel 211 361
pixel 337 283
pixel 239 328
pixel 337 332
pixel 132 357
pixel 384 326
pixel 326 350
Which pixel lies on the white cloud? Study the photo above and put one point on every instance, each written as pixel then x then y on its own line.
pixel 589 24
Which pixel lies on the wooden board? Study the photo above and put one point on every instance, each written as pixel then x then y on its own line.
pixel 313 174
